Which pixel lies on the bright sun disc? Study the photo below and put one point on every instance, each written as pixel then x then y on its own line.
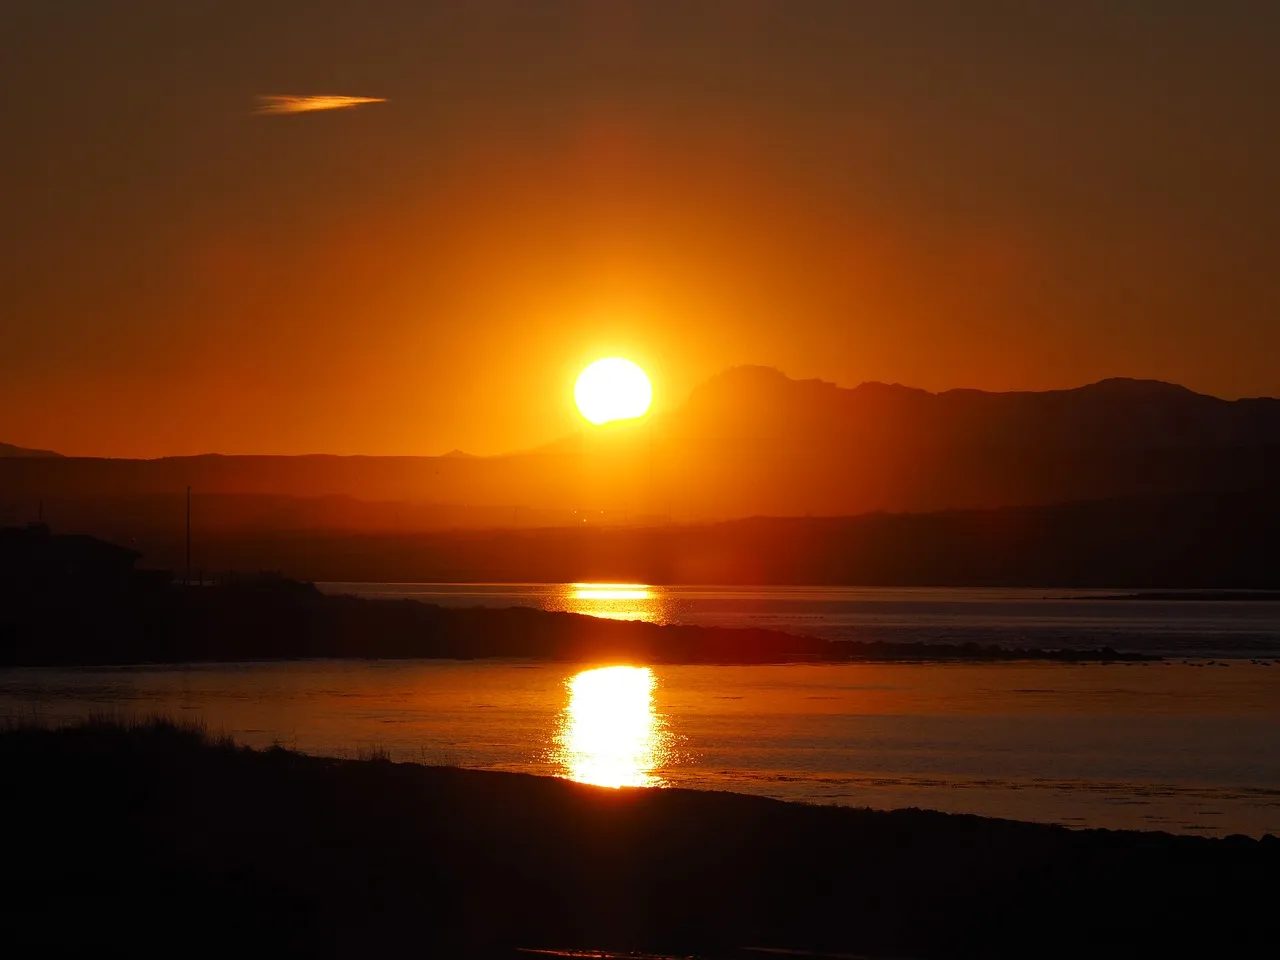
pixel 612 389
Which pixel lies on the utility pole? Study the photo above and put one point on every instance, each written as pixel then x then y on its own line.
pixel 188 536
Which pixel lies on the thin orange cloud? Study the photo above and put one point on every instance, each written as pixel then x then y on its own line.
pixel 288 103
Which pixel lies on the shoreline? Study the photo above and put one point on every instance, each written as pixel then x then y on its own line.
pixel 277 619
pixel 1171 745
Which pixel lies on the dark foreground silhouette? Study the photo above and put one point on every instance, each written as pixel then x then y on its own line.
pixel 154 839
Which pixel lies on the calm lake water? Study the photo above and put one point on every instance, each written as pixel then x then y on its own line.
pixel 1183 745
pixel 1162 746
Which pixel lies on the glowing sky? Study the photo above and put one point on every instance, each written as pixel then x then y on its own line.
pixel 997 195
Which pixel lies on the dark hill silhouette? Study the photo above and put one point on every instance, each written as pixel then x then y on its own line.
pixel 748 442
pixel 1142 414
pixel 75 600
pixel 9 450
pixel 812 447
pixel 1219 541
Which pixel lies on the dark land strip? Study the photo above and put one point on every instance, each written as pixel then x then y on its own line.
pixel 265 619
pixel 154 839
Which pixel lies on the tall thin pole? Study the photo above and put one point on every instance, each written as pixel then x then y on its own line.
pixel 188 536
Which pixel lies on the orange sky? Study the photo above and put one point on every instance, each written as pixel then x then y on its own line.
pixel 1013 197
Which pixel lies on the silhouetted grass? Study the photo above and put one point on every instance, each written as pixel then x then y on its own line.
pixel 377 753
pixel 129 727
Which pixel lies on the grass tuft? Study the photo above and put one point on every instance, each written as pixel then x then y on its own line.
pixel 150 727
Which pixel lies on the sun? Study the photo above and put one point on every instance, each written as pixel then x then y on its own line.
pixel 612 389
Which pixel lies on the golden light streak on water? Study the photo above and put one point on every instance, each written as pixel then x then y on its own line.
pixel 610 733
pixel 615 601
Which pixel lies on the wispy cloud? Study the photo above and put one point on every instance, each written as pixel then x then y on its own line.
pixel 287 103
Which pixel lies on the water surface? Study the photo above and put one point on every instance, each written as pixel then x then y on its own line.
pixel 1160 746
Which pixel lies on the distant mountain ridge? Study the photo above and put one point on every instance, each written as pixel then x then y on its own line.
pixel 9 450
pixel 1115 411
pixel 749 442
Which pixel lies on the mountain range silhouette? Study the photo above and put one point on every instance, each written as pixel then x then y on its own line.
pixel 749 442
pixel 1179 478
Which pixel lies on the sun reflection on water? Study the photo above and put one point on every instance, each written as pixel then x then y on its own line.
pixel 610 733
pixel 615 601
pixel 611 591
